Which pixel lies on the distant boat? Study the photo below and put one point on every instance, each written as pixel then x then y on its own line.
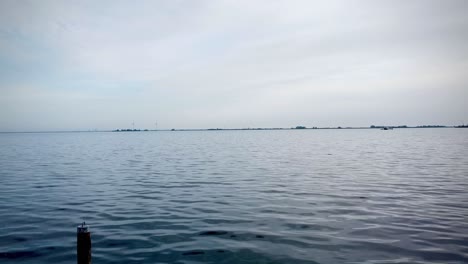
pixel 386 128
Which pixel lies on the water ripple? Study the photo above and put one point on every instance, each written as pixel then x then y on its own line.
pixel 315 196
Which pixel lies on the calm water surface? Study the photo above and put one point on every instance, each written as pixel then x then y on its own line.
pixel 299 196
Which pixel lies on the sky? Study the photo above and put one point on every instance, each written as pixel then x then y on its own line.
pixel 85 65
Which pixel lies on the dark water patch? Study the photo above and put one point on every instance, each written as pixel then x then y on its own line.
pixel 325 227
pixel 111 244
pixel 11 238
pixel 26 254
pixel 213 233
pixel 71 163
pixel 45 186
pixel 274 191
pixel 20 239
pixel 19 255
pixel 193 253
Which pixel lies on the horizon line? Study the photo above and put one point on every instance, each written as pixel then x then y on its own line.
pixel 247 128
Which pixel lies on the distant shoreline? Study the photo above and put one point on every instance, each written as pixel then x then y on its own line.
pixel 235 129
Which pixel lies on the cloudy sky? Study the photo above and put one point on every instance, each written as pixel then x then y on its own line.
pixel 79 65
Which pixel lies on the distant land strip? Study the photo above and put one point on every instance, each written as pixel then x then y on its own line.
pixel 240 129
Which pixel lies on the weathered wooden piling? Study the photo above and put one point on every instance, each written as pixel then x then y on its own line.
pixel 83 244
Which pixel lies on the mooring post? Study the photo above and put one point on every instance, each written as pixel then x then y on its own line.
pixel 83 244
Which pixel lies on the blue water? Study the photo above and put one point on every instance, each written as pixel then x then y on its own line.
pixel 297 196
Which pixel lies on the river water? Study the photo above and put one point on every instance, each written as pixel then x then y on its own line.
pixel 286 196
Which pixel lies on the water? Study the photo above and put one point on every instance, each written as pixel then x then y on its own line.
pixel 299 196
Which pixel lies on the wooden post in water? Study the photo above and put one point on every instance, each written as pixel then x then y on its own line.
pixel 83 244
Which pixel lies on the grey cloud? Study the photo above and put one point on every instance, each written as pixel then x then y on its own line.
pixel 239 63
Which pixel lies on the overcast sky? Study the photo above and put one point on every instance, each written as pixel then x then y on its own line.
pixel 79 65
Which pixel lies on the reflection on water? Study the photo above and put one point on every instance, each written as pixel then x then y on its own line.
pixel 300 196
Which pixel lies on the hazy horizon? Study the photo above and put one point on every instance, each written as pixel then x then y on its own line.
pixel 231 64
pixel 144 129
